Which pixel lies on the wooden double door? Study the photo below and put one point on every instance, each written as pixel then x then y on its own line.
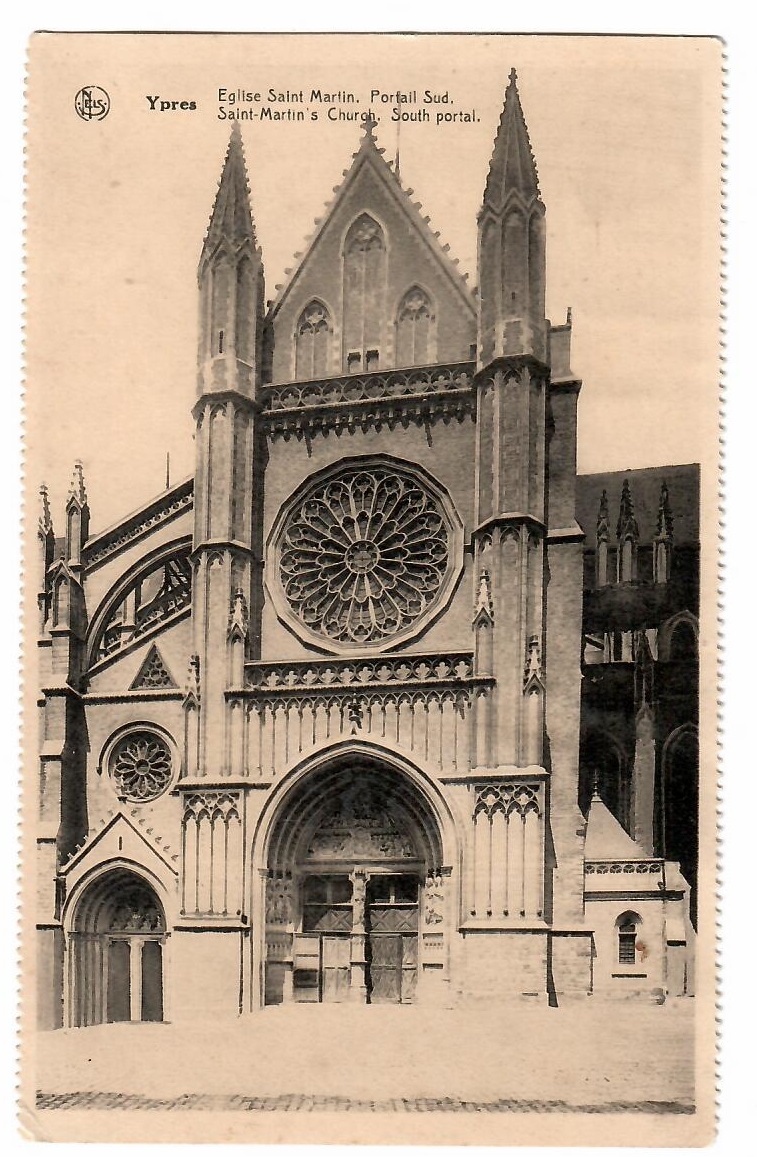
pixel 388 937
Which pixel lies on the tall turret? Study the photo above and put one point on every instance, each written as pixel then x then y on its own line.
pixel 527 544
pixel 226 559
pixel 511 433
pixel 511 244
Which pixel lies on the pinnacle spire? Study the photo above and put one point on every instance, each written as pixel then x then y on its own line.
pixel 603 519
pixel 512 166
pixel 627 525
pixel 231 219
pixel 45 517
pixel 664 514
pixel 77 490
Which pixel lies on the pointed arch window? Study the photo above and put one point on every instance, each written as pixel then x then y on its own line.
pixel 415 322
pixel 313 342
pixel 364 294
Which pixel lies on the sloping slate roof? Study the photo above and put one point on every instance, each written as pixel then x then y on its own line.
pixel 606 839
pixel 683 489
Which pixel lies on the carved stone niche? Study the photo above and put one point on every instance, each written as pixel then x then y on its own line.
pixel 278 902
pixel 434 907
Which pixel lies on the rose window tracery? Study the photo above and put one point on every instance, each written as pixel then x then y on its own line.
pixel 141 766
pixel 365 554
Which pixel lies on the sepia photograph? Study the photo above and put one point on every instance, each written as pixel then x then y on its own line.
pixel 371 548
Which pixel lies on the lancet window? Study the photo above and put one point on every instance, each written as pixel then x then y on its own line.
pixel 414 328
pixel 364 294
pixel 313 342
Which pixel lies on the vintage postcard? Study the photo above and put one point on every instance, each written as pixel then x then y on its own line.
pixel 371 467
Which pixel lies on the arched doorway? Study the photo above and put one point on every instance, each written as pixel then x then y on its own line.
pixel 116 942
pixel 354 854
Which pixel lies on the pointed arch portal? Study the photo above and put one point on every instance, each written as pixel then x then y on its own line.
pixel 352 853
pixel 117 939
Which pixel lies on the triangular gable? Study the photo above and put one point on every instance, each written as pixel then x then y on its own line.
pixel 153 673
pixel 606 839
pixel 120 838
pixel 370 155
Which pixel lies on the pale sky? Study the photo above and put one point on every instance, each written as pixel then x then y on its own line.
pixel 626 139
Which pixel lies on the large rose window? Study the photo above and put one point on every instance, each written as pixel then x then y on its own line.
pixel 364 555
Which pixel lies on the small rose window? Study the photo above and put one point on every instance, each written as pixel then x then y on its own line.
pixel 141 766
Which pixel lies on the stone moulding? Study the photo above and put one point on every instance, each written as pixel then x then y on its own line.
pixel 447 669
pixel 360 401
pixel 618 867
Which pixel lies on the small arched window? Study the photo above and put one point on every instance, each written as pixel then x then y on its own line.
pixel 313 342
pixel 627 926
pixel 414 322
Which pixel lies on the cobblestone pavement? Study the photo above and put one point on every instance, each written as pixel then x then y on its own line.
pixel 588 1057
pixel 293 1102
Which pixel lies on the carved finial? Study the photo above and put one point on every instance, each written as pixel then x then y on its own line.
pixel 532 669
pixel 664 515
pixel 569 316
pixel 603 519
pixel 595 796
pixel 484 597
pixel 192 688
pixel 239 616
pixel 369 124
pixel 77 490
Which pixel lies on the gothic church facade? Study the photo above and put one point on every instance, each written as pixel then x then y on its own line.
pixel 381 705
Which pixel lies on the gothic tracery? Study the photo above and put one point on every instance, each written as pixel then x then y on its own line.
pixel 364 555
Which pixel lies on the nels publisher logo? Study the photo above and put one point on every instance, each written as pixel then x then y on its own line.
pixel 92 103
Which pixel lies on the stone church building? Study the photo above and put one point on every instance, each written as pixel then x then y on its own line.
pixel 385 704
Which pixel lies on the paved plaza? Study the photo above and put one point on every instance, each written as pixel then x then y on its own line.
pixel 334 1058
